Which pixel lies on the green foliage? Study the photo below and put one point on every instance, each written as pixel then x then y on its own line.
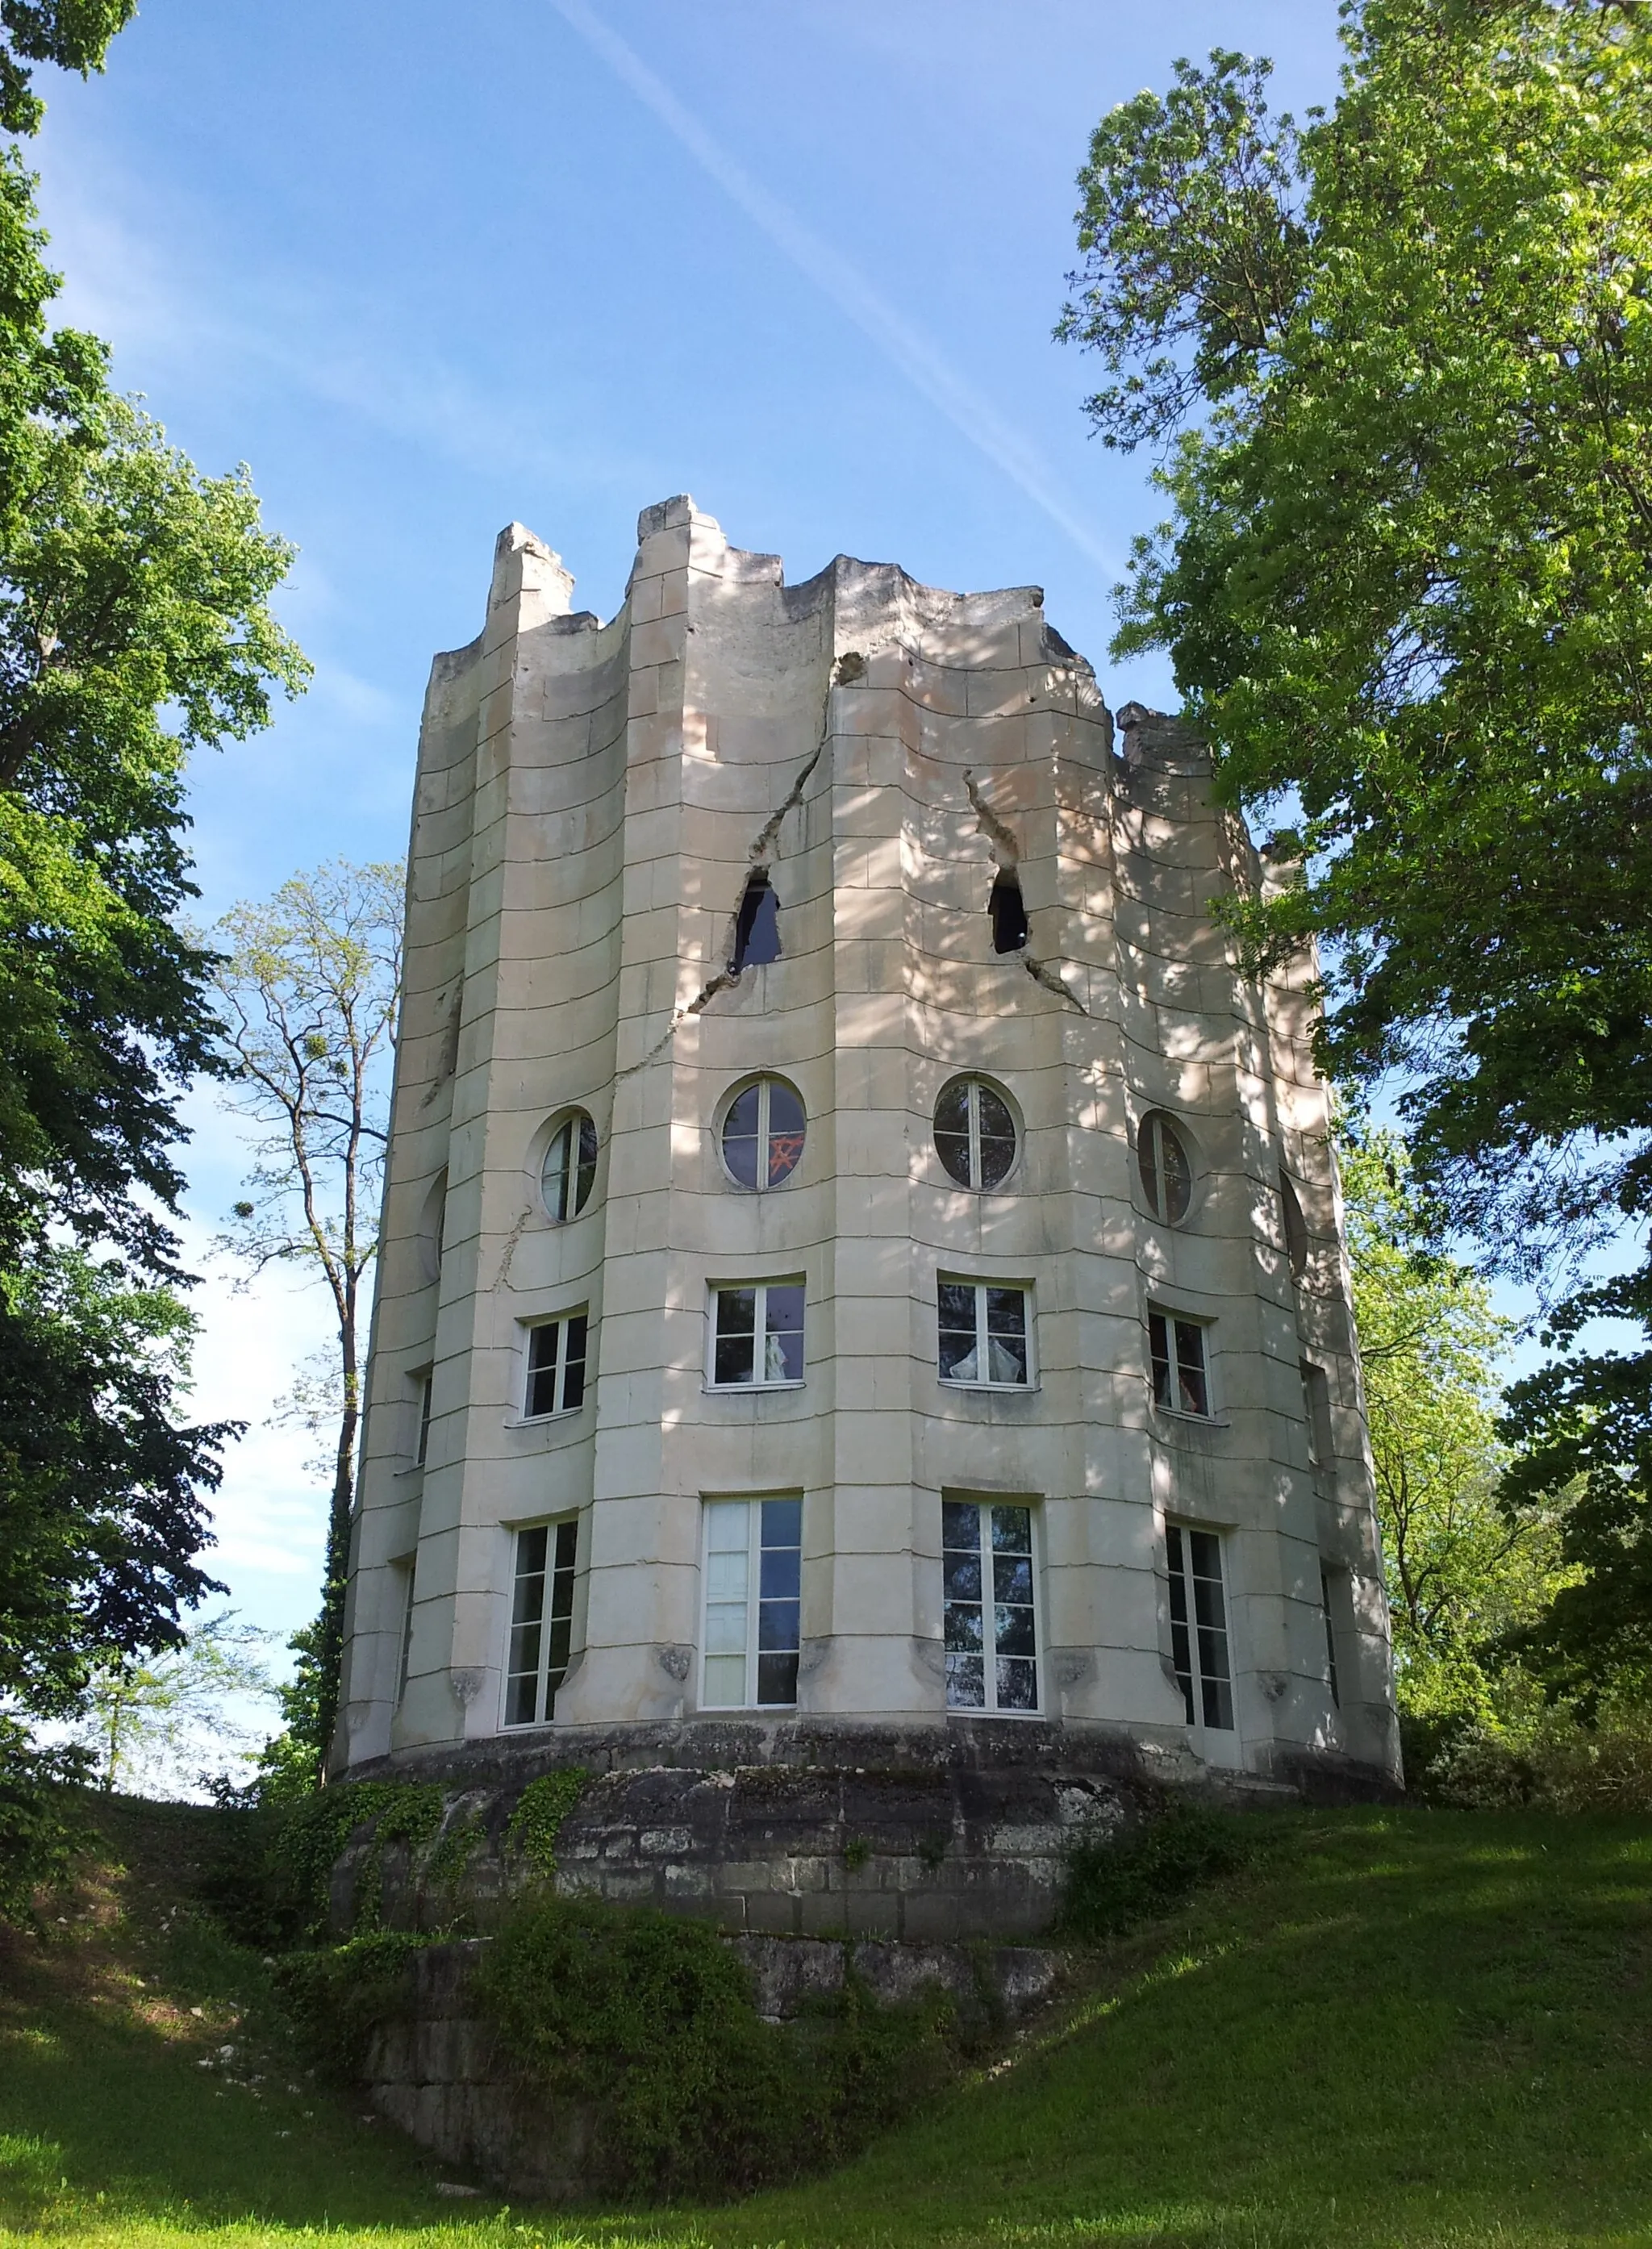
pixel 144 1717
pixel 1461 1575
pixel 648 2020
pixel 336 1998
pixel 537 1818
pixel 1115 1881
pixel 40 1835
pixel 1554 1763
pixel 287 1853
pixel 101 1507
pixel 1407 589
pixel 73 34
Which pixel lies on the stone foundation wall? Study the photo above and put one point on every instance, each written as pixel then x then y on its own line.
pixel 439 2076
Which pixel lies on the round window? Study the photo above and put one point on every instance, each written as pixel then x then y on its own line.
pixel 763 1133
pixel 1165 1168
pixel 570 1166
pixel 974 1132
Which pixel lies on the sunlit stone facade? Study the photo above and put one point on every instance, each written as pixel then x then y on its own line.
pixel 858 1254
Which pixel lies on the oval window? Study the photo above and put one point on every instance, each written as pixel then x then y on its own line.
pixel 974 1132
pixel 763 1133
pixel 1165 1168
pixel 570 1167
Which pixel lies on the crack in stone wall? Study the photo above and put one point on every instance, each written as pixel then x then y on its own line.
pixel 1006 850
pixel 1052 980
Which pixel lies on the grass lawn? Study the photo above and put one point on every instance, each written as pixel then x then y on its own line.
pixel 1398 2028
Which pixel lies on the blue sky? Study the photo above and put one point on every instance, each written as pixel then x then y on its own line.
pixel 430 268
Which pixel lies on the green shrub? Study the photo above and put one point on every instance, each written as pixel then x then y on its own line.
pixel 336 1997
pixel 1552 1764
pixel 649 2022
pixel 540 1810
pixel 40 1836
pixel 273 1884
pixel 1112 1882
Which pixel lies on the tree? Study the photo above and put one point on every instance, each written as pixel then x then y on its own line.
pixel 154 1722
pixel 1399 367
pixel 309 988
pixel 135 631
pixel 1462 1574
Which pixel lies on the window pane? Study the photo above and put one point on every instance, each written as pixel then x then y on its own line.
pixel 1158 1347
pixel 727 1575
pixel 783 1341
pixel 777 1678
pixel 1012 1578
pixel 960 1524
pixel 1012 1530
pixel 778 1573
pixel 1007 1335
pixel 1177 1172
pixel 555 1180
pixel 952 1131
pixel 966 1682
pixel 521 1703
pixel 726 1680
pixel 782 1522
pixel 1013 1631
pixel 586 1172
pixel 726 1628
pixel 1190 1368
pixel 961 1574
pixel 1147 1164
pixel 541 1368
pixel 964 1625
pixel 726 1526
pixel 777 1623
pixel 574 1372
pixel 735 1356
pixel 739 1136
pixel 958 1354
pixel 1017 1683
pixel 785 1131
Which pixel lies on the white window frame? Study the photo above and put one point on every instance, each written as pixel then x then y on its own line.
pixel 989 1707
pixel 1176 1402
pixel 716 1508
pixel 570 1127
pixel 561 1574
pixel 1025 1289
pixel 974 1085
pixel 764 1087
pixel 1179 1536
pixel 760 1334
pixel 562 1322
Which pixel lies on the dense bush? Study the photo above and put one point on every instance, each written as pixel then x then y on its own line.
pixel 650 2022
pixel 1554 1763
pixel 1115 1881
pixel 336 1997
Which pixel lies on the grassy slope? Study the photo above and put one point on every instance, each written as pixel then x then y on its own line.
pixel 1400 2029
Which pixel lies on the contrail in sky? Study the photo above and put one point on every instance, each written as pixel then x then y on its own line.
pixel 848 289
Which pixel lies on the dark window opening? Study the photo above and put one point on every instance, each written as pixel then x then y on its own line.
pixel 1009 916
pixel 756 925
pixel 1296 1228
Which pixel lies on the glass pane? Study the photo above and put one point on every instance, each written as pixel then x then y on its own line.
pixel 727 1526
pixel 531 1547
pixel 960 1524
pixel 1173 1548
pixel 724 1681
pixel 1012 1530
pixel 525 1648
pixel 736 1312
pixel 957 1302
pixel 778 1576
pixel 952 1131
pixel 586 1172
pixel 1190 1368
pixel 1017 1683
pixel 1159 1348
pixel 1178 1172
pixel 777 1628
pixel 961 1576
pixel 726 1628
pixel 966 1682
pixel 1006 1314
pixel 1012 1578
pixel 1005 1362
pixel 1205 1551
pixel 739 1136
pixel 521 1707
pixel 958 1358
pixel 1012 1632
pixel 726 1576
pixel 785 1131
pixel 782 1522
pixel 541 1369
pixel 555 1180
pixel 962 1627
pixel 1147 1164
pixel 783 1343
pixel 777 1678
pixel 997 1137
pixel 1217 1698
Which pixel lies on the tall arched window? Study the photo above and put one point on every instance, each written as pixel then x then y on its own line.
pixel 974 1132
pixel 1165 1168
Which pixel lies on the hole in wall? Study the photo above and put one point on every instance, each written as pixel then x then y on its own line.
pixel 756 924
pixel 1009 914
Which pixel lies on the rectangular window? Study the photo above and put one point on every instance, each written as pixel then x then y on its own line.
pixel 757 1334
pixel 1181 1380
pixel 1331 1636
pixel 754 1557
pixel 404 1572
pixel 427 1384
pixel 984 1335
pixel 542 1621
pixel 990 1623
pixel 1316 1403
pixel 1199 1625
pixel 555 1366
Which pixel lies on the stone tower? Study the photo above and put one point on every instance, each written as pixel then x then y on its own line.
pixel 860 1259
